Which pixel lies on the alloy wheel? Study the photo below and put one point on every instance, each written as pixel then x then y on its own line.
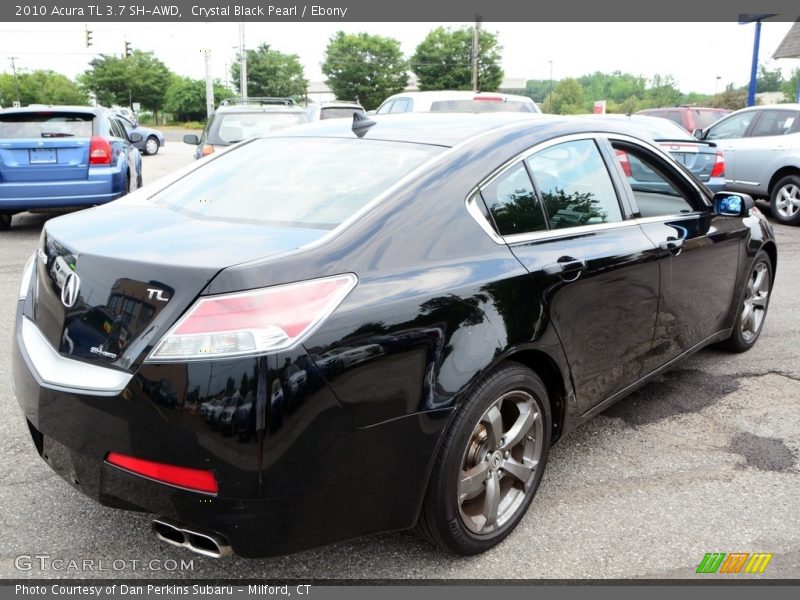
pixel 754 308
pixel 787 200
pixel 500 462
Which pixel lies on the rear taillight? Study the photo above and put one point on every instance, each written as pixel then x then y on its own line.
pixel 624 162
pixel 99 151
pixel 719 165
pixel 196 480
pixel 254 322
pixel 207 149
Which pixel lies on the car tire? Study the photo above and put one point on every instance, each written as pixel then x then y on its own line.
pixel 785 200
pixel 5 222
pixel 151 146
pixel 481 486
pixel 752 310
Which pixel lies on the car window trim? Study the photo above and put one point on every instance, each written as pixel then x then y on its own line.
pixel 600 140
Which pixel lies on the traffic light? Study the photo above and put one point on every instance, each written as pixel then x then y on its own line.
pixel 128 50
pixel 87 34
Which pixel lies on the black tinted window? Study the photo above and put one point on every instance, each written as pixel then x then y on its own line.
pixel 513 204
pixel 575 185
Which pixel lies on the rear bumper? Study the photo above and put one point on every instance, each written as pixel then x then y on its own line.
pixel 102 185
pixel 292 475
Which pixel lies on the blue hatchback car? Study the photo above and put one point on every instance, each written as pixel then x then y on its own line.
pixel 64 157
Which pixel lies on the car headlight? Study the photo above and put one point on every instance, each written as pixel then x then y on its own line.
pixel 27 275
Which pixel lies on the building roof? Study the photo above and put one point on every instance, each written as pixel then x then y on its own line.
pixel 790 46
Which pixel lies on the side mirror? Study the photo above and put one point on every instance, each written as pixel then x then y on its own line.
pixel 135 137
pixel 698 133
pixel 732 204
pixel 191 138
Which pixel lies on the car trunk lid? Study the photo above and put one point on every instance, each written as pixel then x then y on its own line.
pixel 105 298
pixel 697 158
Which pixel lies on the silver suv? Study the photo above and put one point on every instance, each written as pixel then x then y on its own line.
pixel 761 145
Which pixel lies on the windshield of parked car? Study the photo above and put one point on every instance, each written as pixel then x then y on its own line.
pixel 294 182
pixel 45 125
pixel 471 105
pixel 229 128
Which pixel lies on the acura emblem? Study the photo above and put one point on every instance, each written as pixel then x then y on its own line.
pixel 69 292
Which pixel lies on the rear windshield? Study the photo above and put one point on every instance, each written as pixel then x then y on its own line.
pixel 339 112
pixel 294 182
pixel 662 129
pixel 45 125
pixel 229 128
pixel 704 118
pixel 482 106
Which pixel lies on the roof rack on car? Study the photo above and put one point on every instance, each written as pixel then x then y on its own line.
pixel 260 100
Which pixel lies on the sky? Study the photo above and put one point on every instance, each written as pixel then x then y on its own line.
pixel 703 57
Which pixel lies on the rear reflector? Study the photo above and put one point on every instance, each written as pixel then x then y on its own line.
pixel 99 151
pixel 196 480
pixel 719 165
pixel 255 322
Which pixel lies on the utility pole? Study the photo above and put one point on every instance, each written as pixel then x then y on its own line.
pixel 242 63
pixel 209 85
pixel 16 82
pixel 475 50
pixel 550 95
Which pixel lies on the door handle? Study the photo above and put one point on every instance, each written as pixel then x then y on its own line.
pixel 567 267
pixel 672 245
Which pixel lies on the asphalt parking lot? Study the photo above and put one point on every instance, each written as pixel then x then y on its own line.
pixel 705 459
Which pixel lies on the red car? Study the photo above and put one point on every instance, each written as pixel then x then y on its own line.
pixel 688 117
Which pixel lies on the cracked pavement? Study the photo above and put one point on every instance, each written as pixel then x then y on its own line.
pixel 706 458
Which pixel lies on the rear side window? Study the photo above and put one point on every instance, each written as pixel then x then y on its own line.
pixel 575 185
pixel 513 204
pixel 774 122
pixel 312 183
pixel 45 125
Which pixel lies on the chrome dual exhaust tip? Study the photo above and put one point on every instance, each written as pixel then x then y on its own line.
pixel 201 542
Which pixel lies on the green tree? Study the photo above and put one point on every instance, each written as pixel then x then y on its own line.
pixel 789 87
pixel 732 98
pixel 140 77
pixel 272 73
pixel 568 98
pixel 40 87
pixel 364 66
pixel 663 91
pixel 769 81
pixel 443 60
pixel 537 89
pixel 186 98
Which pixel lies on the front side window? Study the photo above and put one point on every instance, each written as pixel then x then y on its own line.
pixel 732 127
pixel 401 105
pixel 774 122
pixel 657 192
pixel 575 185
pixel 513 204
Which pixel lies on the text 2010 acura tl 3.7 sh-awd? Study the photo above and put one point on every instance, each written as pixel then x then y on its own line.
pixel 354 327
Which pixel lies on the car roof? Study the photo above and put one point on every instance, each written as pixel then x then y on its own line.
pixel 261 108
pixel 787 106
pixel 450 129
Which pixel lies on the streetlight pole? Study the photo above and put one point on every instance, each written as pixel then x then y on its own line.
pixel 550 95
pixel 16 82
pixel 716 88
pixel 242 63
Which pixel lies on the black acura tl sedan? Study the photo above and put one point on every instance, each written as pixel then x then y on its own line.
pixel 347 328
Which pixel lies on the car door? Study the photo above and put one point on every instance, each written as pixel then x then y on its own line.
pixel 729 134
pixel 123 146
pixel 699 251
pixel 764 148
pixel 596 272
